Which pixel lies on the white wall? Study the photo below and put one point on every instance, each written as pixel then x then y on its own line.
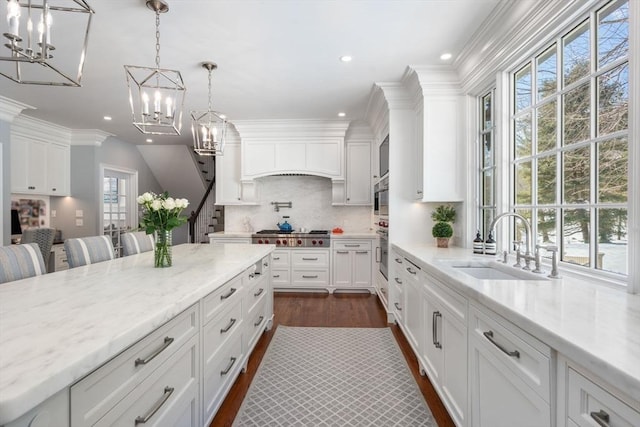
pixel 311 201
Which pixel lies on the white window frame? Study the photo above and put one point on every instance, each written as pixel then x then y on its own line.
pixel 132 191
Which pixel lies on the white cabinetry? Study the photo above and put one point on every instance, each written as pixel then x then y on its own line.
pixel 28 166
pixel 510 373
pixel 300 268
pixel 358 173
pixel 352 264
pixel 438 153
pixel 58 169
pixel 585 400
pixel 228 187
pixel 223 240
pixel 445 346
pixel 53 412
pixel 396 286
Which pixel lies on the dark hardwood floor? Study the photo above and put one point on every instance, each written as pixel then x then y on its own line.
pixel 337 310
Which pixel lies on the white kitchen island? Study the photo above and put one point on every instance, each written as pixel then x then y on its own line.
pixel 58 328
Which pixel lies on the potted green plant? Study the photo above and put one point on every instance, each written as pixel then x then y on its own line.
pixel 442 230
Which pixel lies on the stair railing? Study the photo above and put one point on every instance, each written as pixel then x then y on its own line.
pixel 199 219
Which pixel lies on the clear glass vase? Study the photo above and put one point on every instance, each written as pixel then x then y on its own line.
pixel 162 250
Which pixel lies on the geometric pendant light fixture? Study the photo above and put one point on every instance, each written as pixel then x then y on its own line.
pixel 209 127
pixel 43 38
pixel 156 95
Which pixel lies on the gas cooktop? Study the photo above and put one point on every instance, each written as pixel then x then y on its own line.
pixel 293 239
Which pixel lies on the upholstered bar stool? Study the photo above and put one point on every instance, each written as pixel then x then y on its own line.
pixel 88 250
pixel 136 242
pixel 20 261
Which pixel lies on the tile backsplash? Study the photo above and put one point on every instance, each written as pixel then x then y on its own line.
pixel 311 207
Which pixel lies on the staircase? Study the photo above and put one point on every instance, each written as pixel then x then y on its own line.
pixel 207 217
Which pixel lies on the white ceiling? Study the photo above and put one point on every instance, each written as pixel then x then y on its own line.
pixel 277 59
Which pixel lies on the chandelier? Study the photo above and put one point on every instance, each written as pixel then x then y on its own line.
pixel 208 127
pixel 34 56
pixel 156 95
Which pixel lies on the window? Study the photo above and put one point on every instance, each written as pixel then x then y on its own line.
pixel 487 162
pixel 569 141
pixel 119 208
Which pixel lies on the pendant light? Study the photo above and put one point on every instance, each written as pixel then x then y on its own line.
pixel 156 95
pixel 31 55
pixel 209 127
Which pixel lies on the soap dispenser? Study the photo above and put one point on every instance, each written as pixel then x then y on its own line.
pixel 478 244
pixel 490 245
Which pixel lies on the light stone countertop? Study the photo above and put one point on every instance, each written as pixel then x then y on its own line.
pixel 595 325
pixel 348 235
pixel 56 328
pixel 239 234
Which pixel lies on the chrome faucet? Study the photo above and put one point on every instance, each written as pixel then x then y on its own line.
pixel 528 257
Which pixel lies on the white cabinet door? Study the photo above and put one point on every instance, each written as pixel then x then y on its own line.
pixel 58 170
pixel 28 166
pixel 362 268
pixel 358 173
pixel 413 313
pixel 228 189
pixel 342 268
pixel 453 374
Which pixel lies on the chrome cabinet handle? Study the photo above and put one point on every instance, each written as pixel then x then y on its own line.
pixel 378 254
pixel 398 281
pixel 231 292
pixel 310 277
pixel 252 275
pixel 351 246
pixel 434 330
pixel 411 271
pixel 260 319
pixel 342 252
pixel 398 260
pixel 167 342
pixel 260 291
pixel 276 258
pixel 397 306
pixel 489 335
pixel 266 264
pixel 226 328
pixel 226 370
pixel 362 252
pixel 600 417
pixel 165 396
pixel 309 259
pixel 275 276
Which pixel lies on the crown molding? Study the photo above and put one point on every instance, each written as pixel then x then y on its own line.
pixel 10 109
pixel 290 129
pixel 36 129
pixel 90 137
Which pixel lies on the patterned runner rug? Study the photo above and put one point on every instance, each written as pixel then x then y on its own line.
pixel 333 377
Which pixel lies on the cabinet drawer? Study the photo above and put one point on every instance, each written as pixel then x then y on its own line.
pixel 310 259
pixel 216 333
pixel 310 278
pixel 280 277
pixel 454 302
pixel 346 245
pixel 256 292
pixel 281 259
pixel 97 393
pixel 256 320
pixel 162 398
pixel 227 294
pixel 527 357
pixel 219 373
pixel 588 401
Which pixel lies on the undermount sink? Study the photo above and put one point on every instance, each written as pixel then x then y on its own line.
pixel 493 270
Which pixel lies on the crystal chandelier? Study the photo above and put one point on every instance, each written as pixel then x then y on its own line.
pixel 156 95
pixel 34 58
pixel 208 127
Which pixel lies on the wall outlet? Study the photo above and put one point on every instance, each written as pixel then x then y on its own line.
pixel 54 213
pixel 79 213
pixel 79 222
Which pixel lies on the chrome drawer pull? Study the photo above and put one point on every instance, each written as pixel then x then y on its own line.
pixel 489 335
pixel 398 260
pixel 361 252
pixel 315 276
pixel 343 252
pixel 252 275
pixel 259 321
pixel 260 291
pixel 397 306
pixel 398 281
pixel 228 368
pixel 167 343
pixel 434 330
pixel 167 394
pixel 351 246
pixel 266 264
pixel 411 271
pixel 309 259
pixel 226 328
pixel 231 292
pixel 275 276
pixel 601 417
pixel 276 258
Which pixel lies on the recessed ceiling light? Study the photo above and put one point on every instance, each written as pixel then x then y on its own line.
pixel 149 140
pixel 107 118
pixel 346 58
pixel 341 114
pixel 445 56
